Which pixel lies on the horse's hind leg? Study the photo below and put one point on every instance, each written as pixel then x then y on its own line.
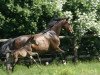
pixel 15 59
pixel 14 63
pixel 35 53
pixel 8 63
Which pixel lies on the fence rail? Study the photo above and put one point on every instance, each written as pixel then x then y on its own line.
pixel 61 37
pixel 3 40
pixel 49 56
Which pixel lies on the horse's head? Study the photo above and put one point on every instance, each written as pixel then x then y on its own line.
pixel 67 25
pixel 58 23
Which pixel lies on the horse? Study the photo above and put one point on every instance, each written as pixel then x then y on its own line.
pixel 47 40
pixel 25 51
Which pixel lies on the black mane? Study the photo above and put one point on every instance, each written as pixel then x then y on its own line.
pixel 51 25
pixel 58 19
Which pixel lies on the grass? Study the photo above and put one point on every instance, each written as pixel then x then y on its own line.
pixel 81 68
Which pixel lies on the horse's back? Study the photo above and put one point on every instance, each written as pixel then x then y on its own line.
pixel 23 38
pixel 21 41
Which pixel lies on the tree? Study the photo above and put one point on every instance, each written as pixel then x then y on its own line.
pixel 20 17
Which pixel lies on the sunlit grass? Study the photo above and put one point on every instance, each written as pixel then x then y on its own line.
pixel 81 68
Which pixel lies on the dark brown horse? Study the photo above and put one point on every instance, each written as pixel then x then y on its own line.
pixel 48 40
pixel 47 37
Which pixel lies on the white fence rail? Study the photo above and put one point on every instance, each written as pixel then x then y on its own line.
pixel 3 40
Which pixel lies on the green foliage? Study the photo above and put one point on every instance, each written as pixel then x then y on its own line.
pixel 19 17
pixel 84 14
pixel 32 16
pixel 85 18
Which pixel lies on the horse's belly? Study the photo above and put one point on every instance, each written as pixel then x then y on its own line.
pixel 23 53
pixel 42 43
pixel 43 47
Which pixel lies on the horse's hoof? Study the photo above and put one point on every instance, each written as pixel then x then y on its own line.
pixel 64 62
pixel 47 63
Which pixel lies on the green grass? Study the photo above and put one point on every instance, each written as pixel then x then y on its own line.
pixel 81 68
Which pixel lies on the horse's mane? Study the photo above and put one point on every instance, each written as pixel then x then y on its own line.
pixel 51 25
pixel 59 19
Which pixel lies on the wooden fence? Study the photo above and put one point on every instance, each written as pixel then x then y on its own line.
pixel 4 40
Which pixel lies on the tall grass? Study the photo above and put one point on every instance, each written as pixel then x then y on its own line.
pixel 81 68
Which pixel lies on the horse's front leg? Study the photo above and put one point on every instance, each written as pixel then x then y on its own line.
pixel 35 62
pixel 15 61
pixel 38 58
pixel 35 53
pixel 62 54
pixel 33 59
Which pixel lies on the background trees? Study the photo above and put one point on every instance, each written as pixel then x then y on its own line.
pixel 19 17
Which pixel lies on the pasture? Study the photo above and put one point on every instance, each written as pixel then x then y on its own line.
pixel 81 68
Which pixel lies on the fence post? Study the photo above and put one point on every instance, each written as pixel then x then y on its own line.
pixel 74 48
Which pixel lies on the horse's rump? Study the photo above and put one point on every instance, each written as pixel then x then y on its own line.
pixel 21 41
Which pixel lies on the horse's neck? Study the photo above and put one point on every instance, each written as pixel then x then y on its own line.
pixel 57 30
